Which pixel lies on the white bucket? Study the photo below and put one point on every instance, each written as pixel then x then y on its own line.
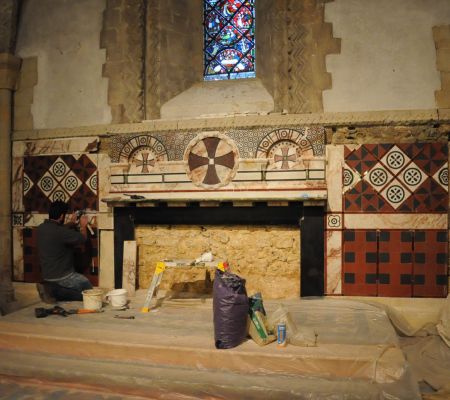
pixel 117 297
pixel 93 299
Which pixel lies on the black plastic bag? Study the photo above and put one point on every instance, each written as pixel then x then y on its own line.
pixel 230 307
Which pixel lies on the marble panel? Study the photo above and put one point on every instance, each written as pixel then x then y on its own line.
pixel 17 184
pixel 104 179
pixel 55 146
pixel 334 262
pixel 129 267
pixel 18 265
pixel 396 221
pixel 335 158
pixel 34 219
pixel 105 220
pixel 106 268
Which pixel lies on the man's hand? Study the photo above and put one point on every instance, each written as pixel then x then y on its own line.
pixel 72 219
pixel 84 220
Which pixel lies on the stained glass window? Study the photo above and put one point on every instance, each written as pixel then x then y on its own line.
pixel 229 39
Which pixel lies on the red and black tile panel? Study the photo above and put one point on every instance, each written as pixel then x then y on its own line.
pixel 395 261
pixel 430 263
pixel 359 263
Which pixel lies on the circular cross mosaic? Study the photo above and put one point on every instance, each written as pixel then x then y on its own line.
pixel 285 148
pixel 211 160
pixel 395 159
pixel 142 160
pixel 284 154
pixel 142 153
pixel 395 194
pixel 378 177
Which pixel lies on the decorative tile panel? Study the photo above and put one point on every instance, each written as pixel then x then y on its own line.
pixel 359 263
pixel 72 179
pixel 395 257
pixel 400 177
pixel 430 263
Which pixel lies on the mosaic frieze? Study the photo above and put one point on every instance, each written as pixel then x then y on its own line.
pixel 390 177
pixel 249 142
pixel 70 178
pixel 247 158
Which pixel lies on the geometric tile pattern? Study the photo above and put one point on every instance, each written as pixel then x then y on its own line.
pixel 396 177
pixel 395 263
pixel 65 177
pixel 86 257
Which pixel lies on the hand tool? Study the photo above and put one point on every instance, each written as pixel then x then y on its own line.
pixel 124 317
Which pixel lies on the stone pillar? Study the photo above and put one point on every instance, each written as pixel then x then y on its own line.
pixel 9 69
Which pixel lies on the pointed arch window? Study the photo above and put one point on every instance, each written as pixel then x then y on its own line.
pixel 229 39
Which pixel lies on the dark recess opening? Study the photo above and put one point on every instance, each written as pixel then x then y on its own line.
pixel 309 219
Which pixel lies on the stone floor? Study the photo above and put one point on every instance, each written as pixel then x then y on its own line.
pixel 169 353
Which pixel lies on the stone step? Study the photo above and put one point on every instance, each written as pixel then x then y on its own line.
pixel 157 382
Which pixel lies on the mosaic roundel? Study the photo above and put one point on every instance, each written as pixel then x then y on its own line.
pixel 378 177
pixel 396 159
pixel 412 176
pixel 211 160
pixel 443 176
pixel 284 148
pixel 396 194
pixel 142 153
pixel 348 177
pixel 59 169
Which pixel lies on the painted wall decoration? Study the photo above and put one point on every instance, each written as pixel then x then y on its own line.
pixel 211 160
pixel 71 178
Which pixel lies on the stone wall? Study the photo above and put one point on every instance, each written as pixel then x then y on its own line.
pixel 122 37
pixel 441 36
pixel 267 257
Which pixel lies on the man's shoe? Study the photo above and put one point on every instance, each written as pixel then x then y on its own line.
pixel 45 293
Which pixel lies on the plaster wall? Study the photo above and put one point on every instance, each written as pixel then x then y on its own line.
pixel 388 55
pixel 219 97
pixel 64 35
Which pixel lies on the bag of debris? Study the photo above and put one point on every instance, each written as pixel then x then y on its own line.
pixel 230 309
pixel 295 336
pixel 257 328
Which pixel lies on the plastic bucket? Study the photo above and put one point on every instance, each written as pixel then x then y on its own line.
pixel 93 299
pixel 117 297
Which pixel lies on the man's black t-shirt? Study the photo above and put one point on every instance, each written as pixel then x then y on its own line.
pixel 55 245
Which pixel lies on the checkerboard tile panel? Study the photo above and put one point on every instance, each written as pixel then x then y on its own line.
pixel 359 263
pixel 395 257
pixel 430 263
pixel 32 270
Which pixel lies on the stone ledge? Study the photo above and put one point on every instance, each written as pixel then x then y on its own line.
pixel 399 117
